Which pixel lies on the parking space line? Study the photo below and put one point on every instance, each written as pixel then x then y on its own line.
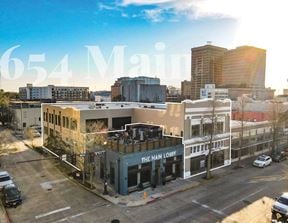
pixel 81 213
pixel 209 208
pixel 52 212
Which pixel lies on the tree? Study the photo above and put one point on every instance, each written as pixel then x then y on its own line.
pixel 5 113
pixel 278 118
pixel 5 140
pixel 211 137
pixel 29 133
pixel 241 108
pixel 56 144
pixel 95 139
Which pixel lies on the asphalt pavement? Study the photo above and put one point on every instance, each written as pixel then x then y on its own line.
pixel 232 196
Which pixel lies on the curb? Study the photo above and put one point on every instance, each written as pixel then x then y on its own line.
pixel 89 190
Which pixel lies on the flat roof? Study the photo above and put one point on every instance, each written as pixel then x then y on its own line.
pixel 107 105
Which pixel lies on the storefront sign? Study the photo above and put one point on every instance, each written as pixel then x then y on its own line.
pixel 158 156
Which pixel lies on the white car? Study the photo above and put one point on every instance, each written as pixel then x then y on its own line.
pixel 281 205
pixel 5 179
pixel 262 161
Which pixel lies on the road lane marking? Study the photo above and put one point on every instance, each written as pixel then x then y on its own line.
pixel 82 213
pixel 242 199
pixel 49 184
pixel 209 208
pixel 52 212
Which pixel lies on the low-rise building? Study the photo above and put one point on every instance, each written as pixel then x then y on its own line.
pixel 145 144
pixel 257 138
pixel 25 114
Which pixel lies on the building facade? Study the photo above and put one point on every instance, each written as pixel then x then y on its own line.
pixel 210 91
pixel 138 89
pixel 240 70
pixel 51 92
pixel 186 89
pixel 146 144
pixel 25 114
pixel 206 67
pixel 243 67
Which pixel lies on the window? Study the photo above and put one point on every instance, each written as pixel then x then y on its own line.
pixel 198 149
pixel 67 122
pixel 64 118
pixel 119 123
pixel 73 124
pixel 207 128
pixel 195 130
pixel 219 127
pixel 194 149
pixel 96 125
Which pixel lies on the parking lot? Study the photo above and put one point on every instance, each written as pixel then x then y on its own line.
pixel 48 196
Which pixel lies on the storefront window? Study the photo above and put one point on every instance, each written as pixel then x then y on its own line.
pixel 146 172
pixel 132 175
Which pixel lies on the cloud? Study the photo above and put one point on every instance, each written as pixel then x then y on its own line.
pixel 260 22
pixel 155 15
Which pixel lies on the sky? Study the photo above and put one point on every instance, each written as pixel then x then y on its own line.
pixel 91 43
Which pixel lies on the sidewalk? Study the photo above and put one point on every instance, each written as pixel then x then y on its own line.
pixel 138 198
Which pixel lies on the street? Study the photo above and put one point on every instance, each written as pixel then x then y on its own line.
pixel 234 195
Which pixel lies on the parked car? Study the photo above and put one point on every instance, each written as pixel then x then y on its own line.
pixel 281 205
pixel 5 179
pixel 262 161
pixel 279 157
pixel 11 196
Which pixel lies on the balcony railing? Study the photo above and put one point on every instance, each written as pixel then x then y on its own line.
pixel 137 146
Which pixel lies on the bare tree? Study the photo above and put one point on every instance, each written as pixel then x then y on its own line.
pixel 5 140
pixel 241 109
pixel 29 133
pixel 95 139
pixel 211 137
pixel 275 122
pixel 279 117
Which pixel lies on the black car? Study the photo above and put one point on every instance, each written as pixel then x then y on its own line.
pixel 279 157
pixel 11 196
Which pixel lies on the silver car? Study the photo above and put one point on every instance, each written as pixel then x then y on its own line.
pixel 5 179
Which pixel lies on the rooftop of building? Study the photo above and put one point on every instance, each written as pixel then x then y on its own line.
pixel 140 138
pixel 237 124
pixel 107 105
pixel 31 86
pixel 78 105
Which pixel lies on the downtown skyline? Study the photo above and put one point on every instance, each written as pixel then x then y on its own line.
pixel 55 29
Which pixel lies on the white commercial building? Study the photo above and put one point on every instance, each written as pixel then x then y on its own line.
pixel 209 91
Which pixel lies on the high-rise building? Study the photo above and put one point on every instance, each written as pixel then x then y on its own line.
pixel 51 92
pixel 206 67
pixel 243 67
pixel 138 89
